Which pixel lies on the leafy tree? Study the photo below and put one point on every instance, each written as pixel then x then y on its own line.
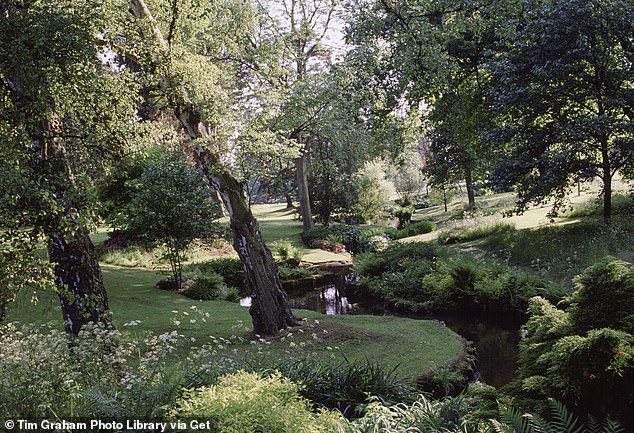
pixel 170 205
pixel 63 114
pixel 374 191
pixel 408 178
pixel 564 91
pixel 194 91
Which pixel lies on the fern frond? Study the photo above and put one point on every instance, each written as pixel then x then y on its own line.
pixel 516 421
pixel 562 420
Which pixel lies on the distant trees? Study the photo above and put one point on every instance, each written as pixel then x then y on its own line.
pixel 543 89
pixel 563 90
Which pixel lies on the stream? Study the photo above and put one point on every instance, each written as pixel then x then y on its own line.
pixel 495 338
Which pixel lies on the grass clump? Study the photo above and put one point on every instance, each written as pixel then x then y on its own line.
pixel 289 272
pixel 133 256
pixel 230 268
pixel 499 229
pixel 211 286
pixel 343 385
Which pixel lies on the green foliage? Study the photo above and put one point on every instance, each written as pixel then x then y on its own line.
pixel 289 273
pixel 500 229
pixel 328 237
pixel 559 419
pixel 170 206
pixel 288 253
pixel 591 370
pixel 404 216
pixel 374 192
pixel 604 297
pixel 413 229
pixel 244 402
pixel 421 277
pixel 547 147
pixel 211 286
pixel 451 415
pixel 344 386
pixel 230 268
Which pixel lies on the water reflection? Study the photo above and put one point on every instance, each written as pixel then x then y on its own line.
pixel 495 337
pixel 330 300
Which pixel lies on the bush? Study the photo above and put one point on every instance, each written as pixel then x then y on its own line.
pixel 286 252
pixel 232 295
pixel 496 230
pixel 413 229
pixel 288 273
pixel 328 238
pixel 344 386
pixel 206 288
pixel 604 297
pixel 248 402
pixel 230 268
pixel 404 215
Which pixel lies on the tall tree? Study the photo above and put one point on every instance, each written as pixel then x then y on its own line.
pixel 564 91
pixel 192 103
pixel 434 52
pixel 63 114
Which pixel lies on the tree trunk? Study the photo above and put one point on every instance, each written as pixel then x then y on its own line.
pixel 607 181
pixel 469 184
pixel 79 282
pixel 303 193
pixel 289 200
pixel 444 196
pixel 269 310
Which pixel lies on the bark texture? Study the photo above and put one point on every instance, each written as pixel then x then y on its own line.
pixel 269 310
pixel 79 281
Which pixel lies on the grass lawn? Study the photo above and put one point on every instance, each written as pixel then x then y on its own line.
pixel 414 347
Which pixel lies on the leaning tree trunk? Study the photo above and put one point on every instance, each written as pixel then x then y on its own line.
pixel 269 307
pixel 79 282
pixel 269 310
pixel 303 193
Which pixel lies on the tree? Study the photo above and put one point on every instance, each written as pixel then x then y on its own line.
pixel 433 52
pixel 170 205
pixel 63 114
pixel 192 102
pixel 565 98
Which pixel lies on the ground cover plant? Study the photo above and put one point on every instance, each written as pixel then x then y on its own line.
pixel 420 277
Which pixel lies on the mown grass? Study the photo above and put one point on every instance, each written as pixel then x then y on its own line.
pixel 415 347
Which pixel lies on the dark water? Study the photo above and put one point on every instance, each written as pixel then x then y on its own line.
pixel 494 337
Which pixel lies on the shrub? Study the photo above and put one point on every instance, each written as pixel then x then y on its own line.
pixel 413 229
pixel 230 268
pixel 404 215
pixel 286 252
pixel 248 402
pixel 232 295
pixel 288 273
pixel 206 288
pixel 496 230
pixel 604 297
pixel 344 386
pixel 376 244
pixel 328 238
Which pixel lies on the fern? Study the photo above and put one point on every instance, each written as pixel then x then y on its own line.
pixel 562 419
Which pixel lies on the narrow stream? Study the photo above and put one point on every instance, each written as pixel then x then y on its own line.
pixel 495 338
